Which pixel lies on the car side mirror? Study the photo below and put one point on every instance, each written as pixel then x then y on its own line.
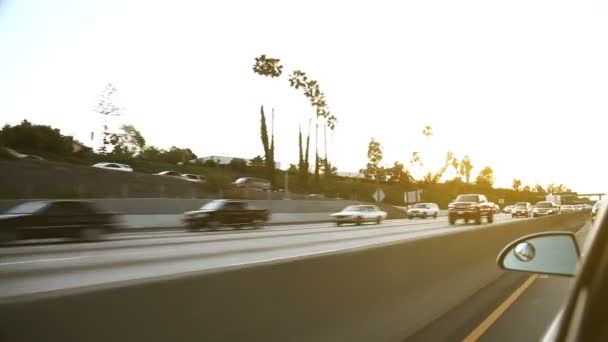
pixel 554 253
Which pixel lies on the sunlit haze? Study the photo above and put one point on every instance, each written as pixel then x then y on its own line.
pixel 520 86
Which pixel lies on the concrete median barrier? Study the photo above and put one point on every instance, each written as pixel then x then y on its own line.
pixel 380 293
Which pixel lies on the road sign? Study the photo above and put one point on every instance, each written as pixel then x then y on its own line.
pixel 378 195
pixel 501 201
pixel 412 196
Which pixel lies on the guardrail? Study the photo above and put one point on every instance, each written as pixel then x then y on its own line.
pixel 381 293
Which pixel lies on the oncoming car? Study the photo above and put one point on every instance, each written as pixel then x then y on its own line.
pixel 359 214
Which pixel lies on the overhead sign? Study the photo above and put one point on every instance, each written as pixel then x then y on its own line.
pixel 378 195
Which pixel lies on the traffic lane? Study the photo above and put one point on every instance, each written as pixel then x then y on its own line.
pixel 104 267
pixel 127 240
pixel 31 247
pixel 528 318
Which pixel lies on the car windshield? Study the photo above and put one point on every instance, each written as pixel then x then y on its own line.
pixel 213 205
pixel 544 205
pixel 27 208
pixel 467 198
pixel 419 205
pixel 521 205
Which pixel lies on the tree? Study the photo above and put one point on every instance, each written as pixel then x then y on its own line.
pixel 427 131
pixel 266 66
pixel 431 178
pixel 177 155
pixel 516 185
pixel 485 177
pixel 128 141
pixel 268 147
pixel 557 189
pixel 35 139
pixel 292 169
pixel 151 153
pixel 107 107
pixel 539 188
pixel 238 164
pixel 397 174
pixel 374 170
pixel 527 188
pixel 257 162
pixel 327 169
pixel 465 168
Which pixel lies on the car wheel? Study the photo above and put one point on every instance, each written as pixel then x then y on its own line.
pixel 478 218
pixel 410 217
pixel 452 220
pixel 466 221
pixel 435 215
pixel 378 220
pixel 359 220
pixel 424 216
pixel 339 224
pixel 490 218
pixel 91 233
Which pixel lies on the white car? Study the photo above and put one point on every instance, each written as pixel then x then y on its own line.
pixel 423 210
pixel 192 178
pixel 170 174
pixel 114 166
pixel 359 214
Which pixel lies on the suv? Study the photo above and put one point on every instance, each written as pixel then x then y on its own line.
pixel 423 210
pixel 471 207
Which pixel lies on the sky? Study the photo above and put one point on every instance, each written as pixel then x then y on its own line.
pixel 517 85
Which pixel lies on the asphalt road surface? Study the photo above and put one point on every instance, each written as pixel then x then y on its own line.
pixel 32 267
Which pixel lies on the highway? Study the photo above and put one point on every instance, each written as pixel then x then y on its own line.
pixel 42 267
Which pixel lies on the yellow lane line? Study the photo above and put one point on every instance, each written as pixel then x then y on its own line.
pixel 495 315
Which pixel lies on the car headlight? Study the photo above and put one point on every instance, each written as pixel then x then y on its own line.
pixel 450 206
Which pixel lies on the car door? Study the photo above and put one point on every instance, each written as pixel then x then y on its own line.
pixel 230 213
pixel 58 219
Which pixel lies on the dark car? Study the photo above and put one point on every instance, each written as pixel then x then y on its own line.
pixel 471 207
pixel 56 219
pixel 521 209
pixel 225 212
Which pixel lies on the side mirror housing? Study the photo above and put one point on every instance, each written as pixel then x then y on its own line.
pixel 553 253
